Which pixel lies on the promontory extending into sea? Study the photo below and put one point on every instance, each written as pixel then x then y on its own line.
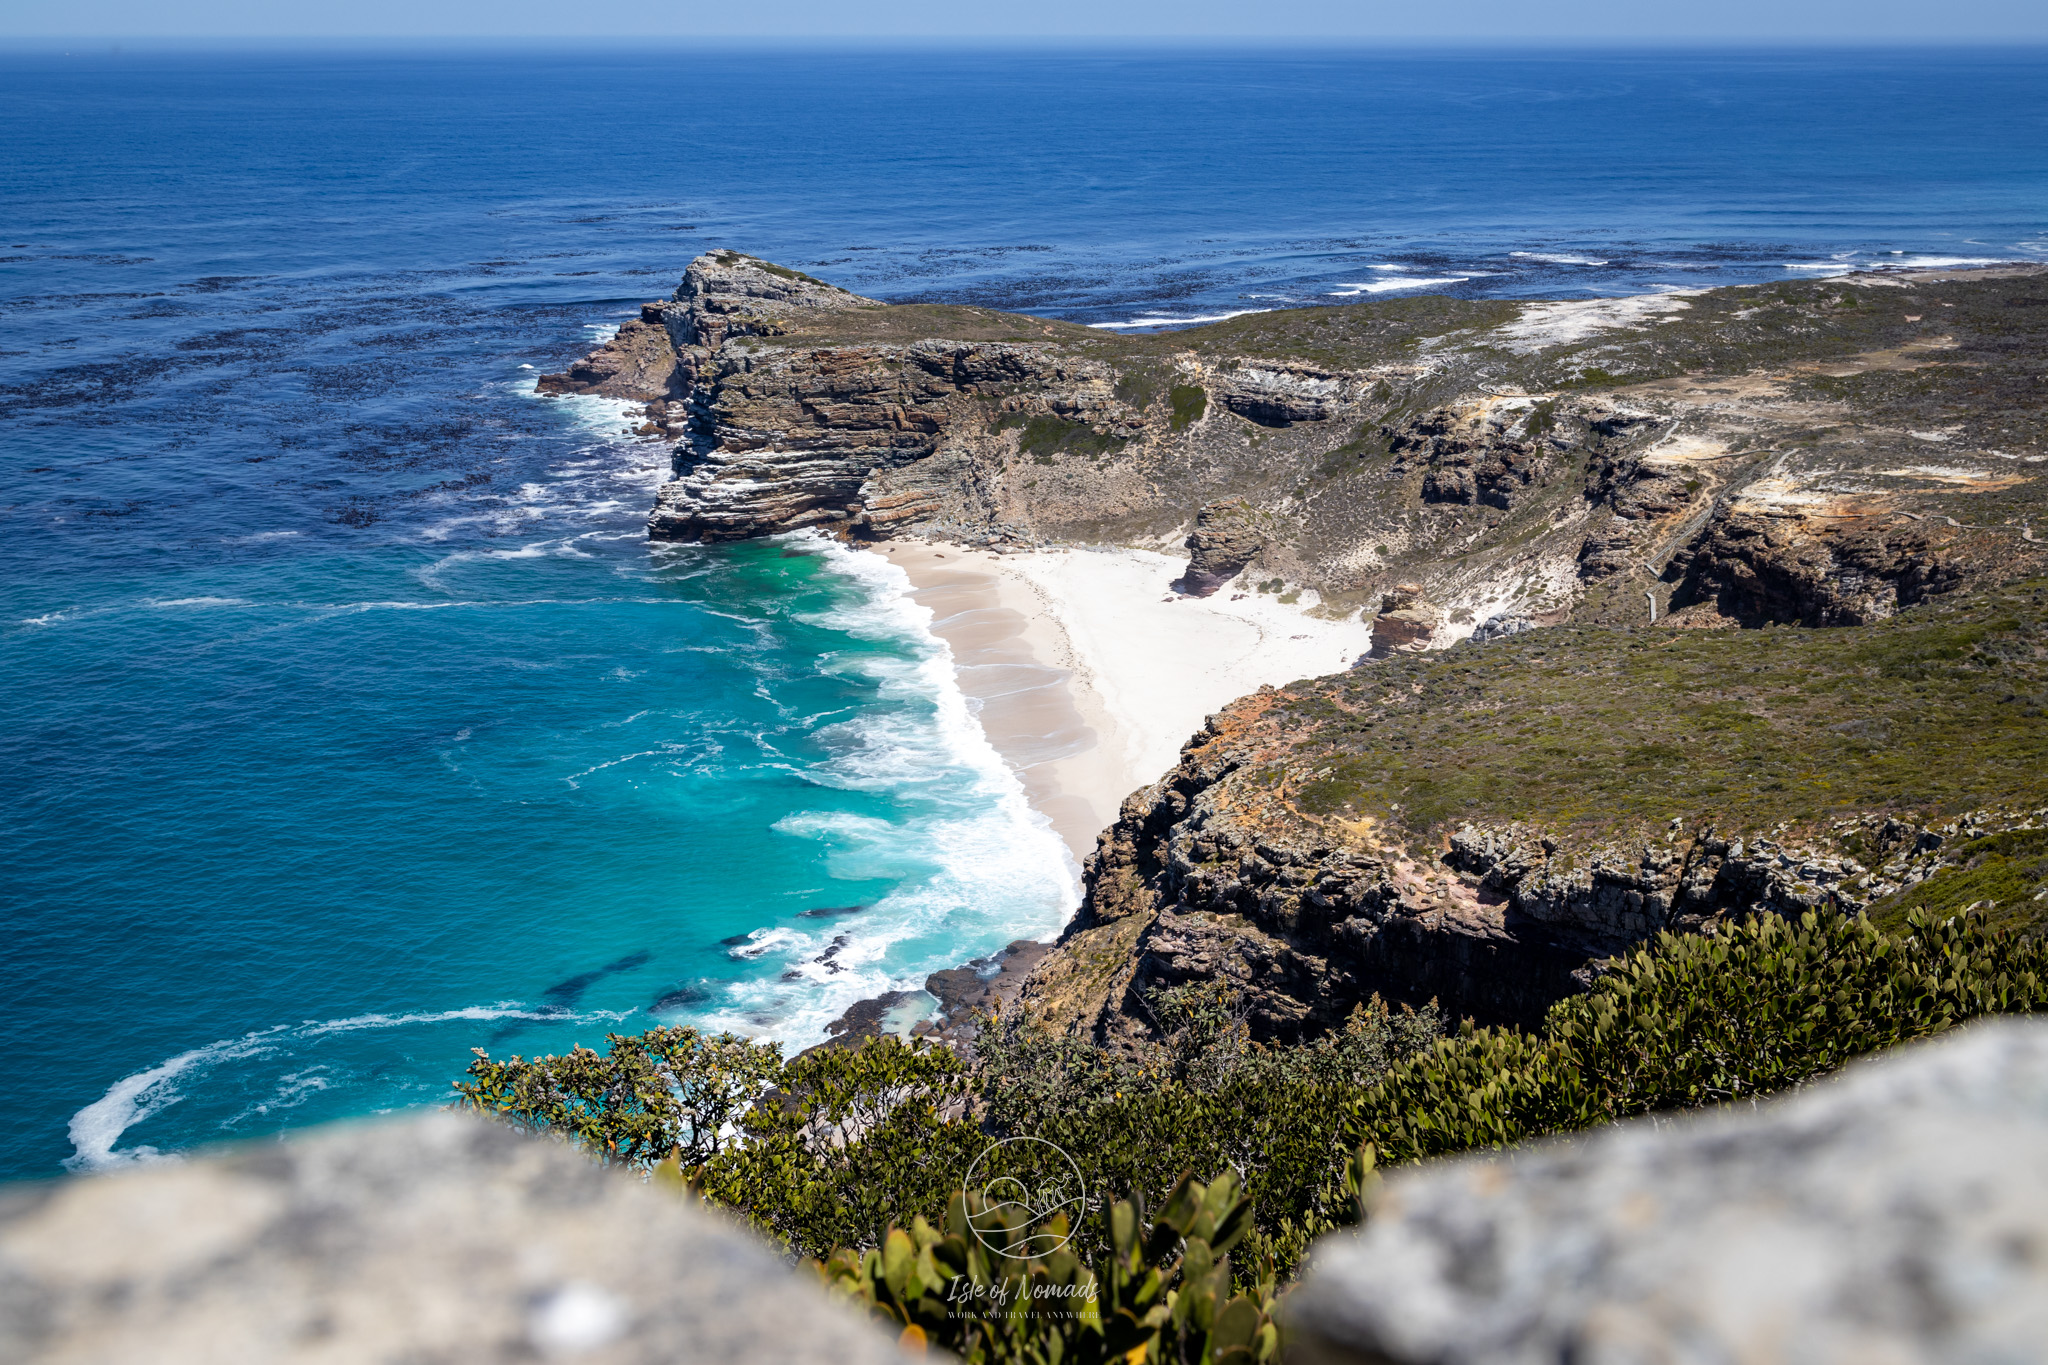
pixel 1427 648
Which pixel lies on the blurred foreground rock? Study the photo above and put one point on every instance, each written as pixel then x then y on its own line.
pixel 1897 1214
pixel 434 1239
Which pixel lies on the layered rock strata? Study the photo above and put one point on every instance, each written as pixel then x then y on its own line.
pixel 1227 537
pixel 1817 453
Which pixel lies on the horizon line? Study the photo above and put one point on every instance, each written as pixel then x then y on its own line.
pixel 107 45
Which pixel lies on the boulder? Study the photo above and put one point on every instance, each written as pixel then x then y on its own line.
pixel 1896 1214
pixel 437 1239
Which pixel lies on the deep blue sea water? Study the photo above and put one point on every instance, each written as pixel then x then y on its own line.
pixel 349 722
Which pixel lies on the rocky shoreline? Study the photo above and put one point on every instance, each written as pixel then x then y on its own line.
pixel 1563 485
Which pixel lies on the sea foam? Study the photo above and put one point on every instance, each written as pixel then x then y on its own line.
pixel 974 865
pixel 97 1128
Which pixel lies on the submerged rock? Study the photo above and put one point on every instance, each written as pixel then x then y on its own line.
pixel 1897 1214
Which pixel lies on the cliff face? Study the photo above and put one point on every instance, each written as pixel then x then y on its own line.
pixel 1545 480
pixel 1819 453
pixel 1483 827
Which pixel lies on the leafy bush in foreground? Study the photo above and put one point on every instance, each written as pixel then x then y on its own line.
pixel 857 1156
pixel 1691 1021
pixel 666 1092
pixel 1161 1292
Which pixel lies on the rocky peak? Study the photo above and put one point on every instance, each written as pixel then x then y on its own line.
pixel 726 293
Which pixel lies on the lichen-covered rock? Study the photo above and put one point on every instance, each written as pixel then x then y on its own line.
pixel 1898 1214
pixel 437 1240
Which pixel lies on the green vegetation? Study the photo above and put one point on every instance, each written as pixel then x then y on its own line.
pixel 668 1093
pixel 1045 437
pixel 859 1156
pixel 1139 385
pixel 1162 1291
pixel 2006 874
pixel 839 1143
pixel 904 324
pixel 1189 402
pixel 1592 729
pixel 1692 1021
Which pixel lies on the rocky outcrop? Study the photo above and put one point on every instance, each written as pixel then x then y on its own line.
pixel 1227 536
pixel 640 362
pixel 441 1238
pixel 727 295
pixel 1405 622
pixel 1621 894
pixel 1200 881
pixel 1895 1213
pixel 1476 454
pixel 1276 395
pixel 860 438
pixel 1759 564
pixel 1467 446
pixel 1609 551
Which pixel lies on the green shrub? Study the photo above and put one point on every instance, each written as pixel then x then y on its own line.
pixel 1046 436
pixel 1189 403
pixel 1693 1021
pixel 1207 1100
pixel 2004 874
pixel 1160 1292
pixel 665 1092
pixel 856 1155
pixel 1138 385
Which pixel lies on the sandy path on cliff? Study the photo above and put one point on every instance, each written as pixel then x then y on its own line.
pixel 1088 673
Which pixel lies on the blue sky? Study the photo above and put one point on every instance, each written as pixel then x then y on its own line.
pixel 1563 21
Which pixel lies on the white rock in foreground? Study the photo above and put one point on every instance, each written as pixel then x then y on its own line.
pixel 428 1240
pixel 1896 1214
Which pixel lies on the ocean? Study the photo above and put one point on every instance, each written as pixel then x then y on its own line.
pixel 349 720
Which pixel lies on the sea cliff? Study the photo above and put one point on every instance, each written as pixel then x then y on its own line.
pixel 1745 582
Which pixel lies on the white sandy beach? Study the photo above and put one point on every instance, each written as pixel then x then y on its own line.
pixel 1089 672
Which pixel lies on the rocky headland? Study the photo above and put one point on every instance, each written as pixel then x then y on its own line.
pixel 1744 587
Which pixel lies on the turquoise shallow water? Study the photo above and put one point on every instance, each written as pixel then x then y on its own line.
pixel 346 719
pixel 379 808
